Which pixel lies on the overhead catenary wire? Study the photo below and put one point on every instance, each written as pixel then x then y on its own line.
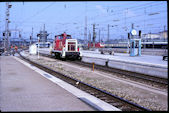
pixel 103 22
pixel 78 16
pixel 140 15
pixel 122 15
pixel 38 12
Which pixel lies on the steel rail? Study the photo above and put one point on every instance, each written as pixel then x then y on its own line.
pixel 126 73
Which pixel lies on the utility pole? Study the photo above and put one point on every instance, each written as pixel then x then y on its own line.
pixel 99 35
pixel 164 33
pixel 125 20
pixel 144 18
pixel 7 32
pixel 15 30
pixel 94 35
pixel 89 39
pixel 20 38
pixel 108 34
pixel 85 30
pixel 32 36
pixel 164 28
pixel 132 27
pixel 128 44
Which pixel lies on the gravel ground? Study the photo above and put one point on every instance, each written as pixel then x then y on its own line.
pixel 147 98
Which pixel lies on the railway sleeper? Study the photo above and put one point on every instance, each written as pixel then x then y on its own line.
pixel 104 98
pixel 118 105
pixel 125 108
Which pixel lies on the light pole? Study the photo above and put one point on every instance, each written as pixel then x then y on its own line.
pixel 85 29
pixel 99 35
pixel 31 40
pixel 7 32
pixel 109 32
pixel 94 35
pixel 38 46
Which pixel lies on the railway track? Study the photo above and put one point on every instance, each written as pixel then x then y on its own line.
pixel 123 73
pixel 114 100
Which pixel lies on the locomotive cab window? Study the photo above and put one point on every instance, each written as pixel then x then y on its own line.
pixel 71 46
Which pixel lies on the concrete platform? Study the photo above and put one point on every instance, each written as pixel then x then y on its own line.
pixel 25 89
pixel 146 64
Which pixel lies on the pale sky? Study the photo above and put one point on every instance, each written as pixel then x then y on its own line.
pixel 148 16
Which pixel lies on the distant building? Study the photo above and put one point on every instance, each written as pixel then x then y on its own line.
pixel 160 35
pixel 150 35
pixel 164 34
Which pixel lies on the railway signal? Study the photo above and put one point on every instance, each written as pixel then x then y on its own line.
pixel 128 35
pixel 9 33
pixel 139 33
pixel 38 46
pixel 38 35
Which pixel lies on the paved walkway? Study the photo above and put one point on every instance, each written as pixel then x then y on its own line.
pixel 23 89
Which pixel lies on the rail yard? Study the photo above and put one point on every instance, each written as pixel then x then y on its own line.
pixel 108 82
pixel 60 68
pixel 120 85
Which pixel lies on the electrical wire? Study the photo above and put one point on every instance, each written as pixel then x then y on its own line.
pixel 162 11
pixel 38 12
pixel 137 7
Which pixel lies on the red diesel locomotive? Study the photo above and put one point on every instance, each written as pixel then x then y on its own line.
pixel 66 47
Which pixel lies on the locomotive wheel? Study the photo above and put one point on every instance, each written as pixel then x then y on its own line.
pixel 63 59
pixel 80 58
pixel 60 57
pixel 57 56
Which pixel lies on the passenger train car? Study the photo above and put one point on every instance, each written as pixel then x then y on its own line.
pixel 155 45
pixel 97 45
